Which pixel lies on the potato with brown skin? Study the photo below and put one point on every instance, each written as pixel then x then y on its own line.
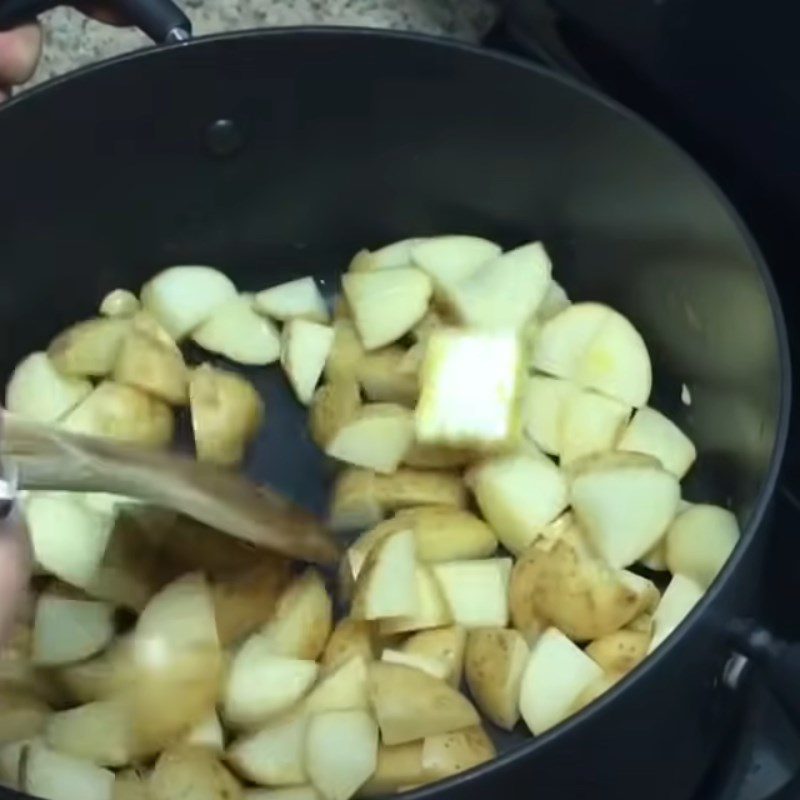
pixel 406 488
pixel 351 638
pixel 226 414
pixel 354 503
pixel 451 753
pixel 89 348
pixel 382 379
pixel 621 651
pixel 446 645
pixel 525 616
pixel 432 456
pixel 346 352
pixel 595 690
pixel 188 772
pixel 332 406
pixel 398 766
pixel 152 366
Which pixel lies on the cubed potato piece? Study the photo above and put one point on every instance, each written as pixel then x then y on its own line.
pixel 67 630
pixel 618 653
pixel 451 259
pixel 652 433
pixel 556 674
pixel 434 667
pixel 354 504
pixel 100 732
pixel 387 584
pixel 226 414
pixel 207 733
pixel 131 784
pixel 408 488
pixel 432 456
pixel 107 675
pixel 237 332
pixel 544 400
pixel 397 767
pixel 432 612
pixel 10 762
pixel 297 299
pixel 590 423
pixel 23 715
pixel 494 661
pixel 69 538
pixel 261 685
pixel 273 755
pixel 476 591
pixel 248 598
pixel 186 772
pixel 448 754
pixel 656 558
pixel 597 348
pixel 386 303
pixel 624 504
pixel 444 533
pixel 346 352
pixel 503 293
pixel 595 689
pixel 384 380
pixel 305 346
pixel 350 639
pixel 446 645
pixel 484 367
pixel 306 792
pixel 303 619
pixel 699 542
pixel 116 411
pixel 156 368
pixel 390 256
pixel 555 301
pixel 119 303
pixel 377 437
pixel 518 495
pixel 182 298
pixel 89 348
pixel 57 776
pixel 38 391
pixel 341 752
pixel 342 689
pixel 332 406
pixel 410 704
pixel 679 598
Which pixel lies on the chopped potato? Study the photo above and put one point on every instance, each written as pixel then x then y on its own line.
pixel 148 364
pixel 89 348
pixel 544 400
pixel 332 406
pixel 187 772
pixel 451 259
pixel 398 766
pixel 235 331
pixel 345 354
pixel 38 391
pixel 430 665
pixel 390 256
pixel 119 303
pixel 447 754
pixel 226 414
pixel 68 630
pixel 432 456
pixel 58 776
pixel 652 433
pixel 350 639
pixel 342 689
pixel 23 715
pixel 305 346
pixel 383 378
pixel 297 299
pixel 476 591
pixel 618 653
pixel 679 598
pixel 590 423
pixel 446 645
pixel 207 733
pixel 432 607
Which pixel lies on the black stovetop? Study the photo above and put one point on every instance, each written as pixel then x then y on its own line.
pixel 722 82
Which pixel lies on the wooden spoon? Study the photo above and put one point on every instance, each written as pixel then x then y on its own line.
pixel 51 459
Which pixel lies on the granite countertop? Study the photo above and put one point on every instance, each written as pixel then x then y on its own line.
pixel 72 40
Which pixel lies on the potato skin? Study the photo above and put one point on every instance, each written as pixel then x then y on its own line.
pixel 192 773
pixel 332 406
pixel 621 651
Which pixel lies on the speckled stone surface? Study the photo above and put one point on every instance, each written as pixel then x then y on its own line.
pixel 72 40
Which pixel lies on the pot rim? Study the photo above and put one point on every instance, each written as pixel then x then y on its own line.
pixel 753 525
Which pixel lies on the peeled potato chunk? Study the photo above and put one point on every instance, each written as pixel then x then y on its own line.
pixel 543 404
pixel 119 303
pixel 58 776
pixel 450 259
pixel 22 715
pixel 469 387
pixel 621 651
pixel 432 611
pixel 342 689
pixel 152 366
pixel 273 755
pixel 88 348
pixel 383 378
pixel 38 391
pixel 700 541
pixel 494 661
pixel 116 411
pixel 207 733
pixel 297 299
pixel 377 437
pixel 590 423
pixel 235 331
pixel 652 433
pixel 518 495
pixel 332 405
pixel 410 704
pixel 398 766
pixel 305 346
pixel 679 598
pixel 625 505
pixel 341 752
pixel 432 666
pixel 386 303
pixel 448 754
pixel 183 297
pixel 597 348
pixel 226 414
pixel 446 645
pixel 554 302
pixel 390 256
pixel 345 354
pixel 503 293
pixel 187 772
pixel 476 591
pixel 68 630
pixel 351 639
pixel 556 674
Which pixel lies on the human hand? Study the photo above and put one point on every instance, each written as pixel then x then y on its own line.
pixel 20 49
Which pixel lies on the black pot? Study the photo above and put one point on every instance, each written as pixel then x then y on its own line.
pixel 276 153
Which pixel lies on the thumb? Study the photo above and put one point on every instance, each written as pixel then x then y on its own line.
pixel 19 53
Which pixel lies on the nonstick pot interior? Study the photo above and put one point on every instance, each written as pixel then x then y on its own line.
pixel 273 155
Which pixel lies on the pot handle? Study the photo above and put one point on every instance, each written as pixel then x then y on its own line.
pixel 161 20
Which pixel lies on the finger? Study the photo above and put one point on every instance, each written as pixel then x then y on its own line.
pixel 19 53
